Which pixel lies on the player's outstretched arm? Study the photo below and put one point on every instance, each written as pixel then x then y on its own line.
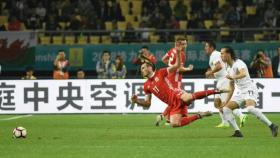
pixel 146 102
pixel 186 69
pixel 217 67
pixel 177 65
pixel 165 59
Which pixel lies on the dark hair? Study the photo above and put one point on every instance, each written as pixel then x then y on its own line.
pixel 231 52
pixel 106 51
pixel 80 69
pixel 150 64
pixel 61 50
pixel 260 53
pixel 29 68
pixel 211 43
pixel 120 66
pixel 145 47
pixel 260 50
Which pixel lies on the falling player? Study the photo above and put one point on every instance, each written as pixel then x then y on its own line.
pixel 158 84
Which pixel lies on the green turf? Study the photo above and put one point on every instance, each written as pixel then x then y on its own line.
pixel 133 135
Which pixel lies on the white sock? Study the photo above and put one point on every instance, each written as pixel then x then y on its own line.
pixel 222 117
pixel 259 115
pixel 238 113
pixel 230 118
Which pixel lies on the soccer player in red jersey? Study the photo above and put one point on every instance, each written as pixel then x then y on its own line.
pixel 159 85
pixel 175 78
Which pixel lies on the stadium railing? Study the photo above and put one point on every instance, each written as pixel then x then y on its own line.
pixel 224 34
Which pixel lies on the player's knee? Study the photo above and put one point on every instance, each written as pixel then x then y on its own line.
pixel 217 104
pixel 250 102
pixel 174 124
pixel 187 98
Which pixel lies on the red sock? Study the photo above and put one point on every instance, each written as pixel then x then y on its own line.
pixel 186 120
pixel 202 94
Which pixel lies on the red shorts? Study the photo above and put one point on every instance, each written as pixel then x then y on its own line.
pixel 171 111
pixel 176 106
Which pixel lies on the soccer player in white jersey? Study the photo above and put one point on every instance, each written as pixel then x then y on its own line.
pixel 218 71
pixel 247 95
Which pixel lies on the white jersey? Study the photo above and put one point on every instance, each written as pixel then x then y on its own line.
pixel 222 81
pixel 246 89
pixel 215 57
pixel 243 83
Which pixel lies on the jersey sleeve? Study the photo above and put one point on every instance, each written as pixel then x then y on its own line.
pixel 170 52
pixel 171 57
pixel 163 72
pixel 146 89
pixel 216 59
pixel 241 65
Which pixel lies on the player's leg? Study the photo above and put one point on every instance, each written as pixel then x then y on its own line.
pixel 189 97
pixel 165 115
pixel 237 112
pixel 227 111
pixel 166 111
pixel 242 117
pixel 184 111
pixel 176 114
pixel 175 110
pixel 250 105
pixel 159 119
pixel 218 105
pixel 176 120
pixel 189 119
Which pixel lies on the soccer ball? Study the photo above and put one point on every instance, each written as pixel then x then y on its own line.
pixel 19 132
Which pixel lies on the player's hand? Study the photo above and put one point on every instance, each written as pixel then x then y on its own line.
pixel 229 77
pixel 190 67
pixel 134 98
pixel 209 74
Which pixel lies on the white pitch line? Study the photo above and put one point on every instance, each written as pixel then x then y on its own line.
pixel 15 117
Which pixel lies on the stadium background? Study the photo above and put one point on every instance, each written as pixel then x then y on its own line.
pixel 85 28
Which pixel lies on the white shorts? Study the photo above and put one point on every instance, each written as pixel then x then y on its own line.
pixel 245 94
pixel 222 84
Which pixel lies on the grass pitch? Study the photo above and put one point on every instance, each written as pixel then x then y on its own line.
pixel 133 136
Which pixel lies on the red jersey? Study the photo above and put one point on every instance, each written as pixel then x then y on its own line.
pixel 160 86
pixel 175 78
pixel 14 26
